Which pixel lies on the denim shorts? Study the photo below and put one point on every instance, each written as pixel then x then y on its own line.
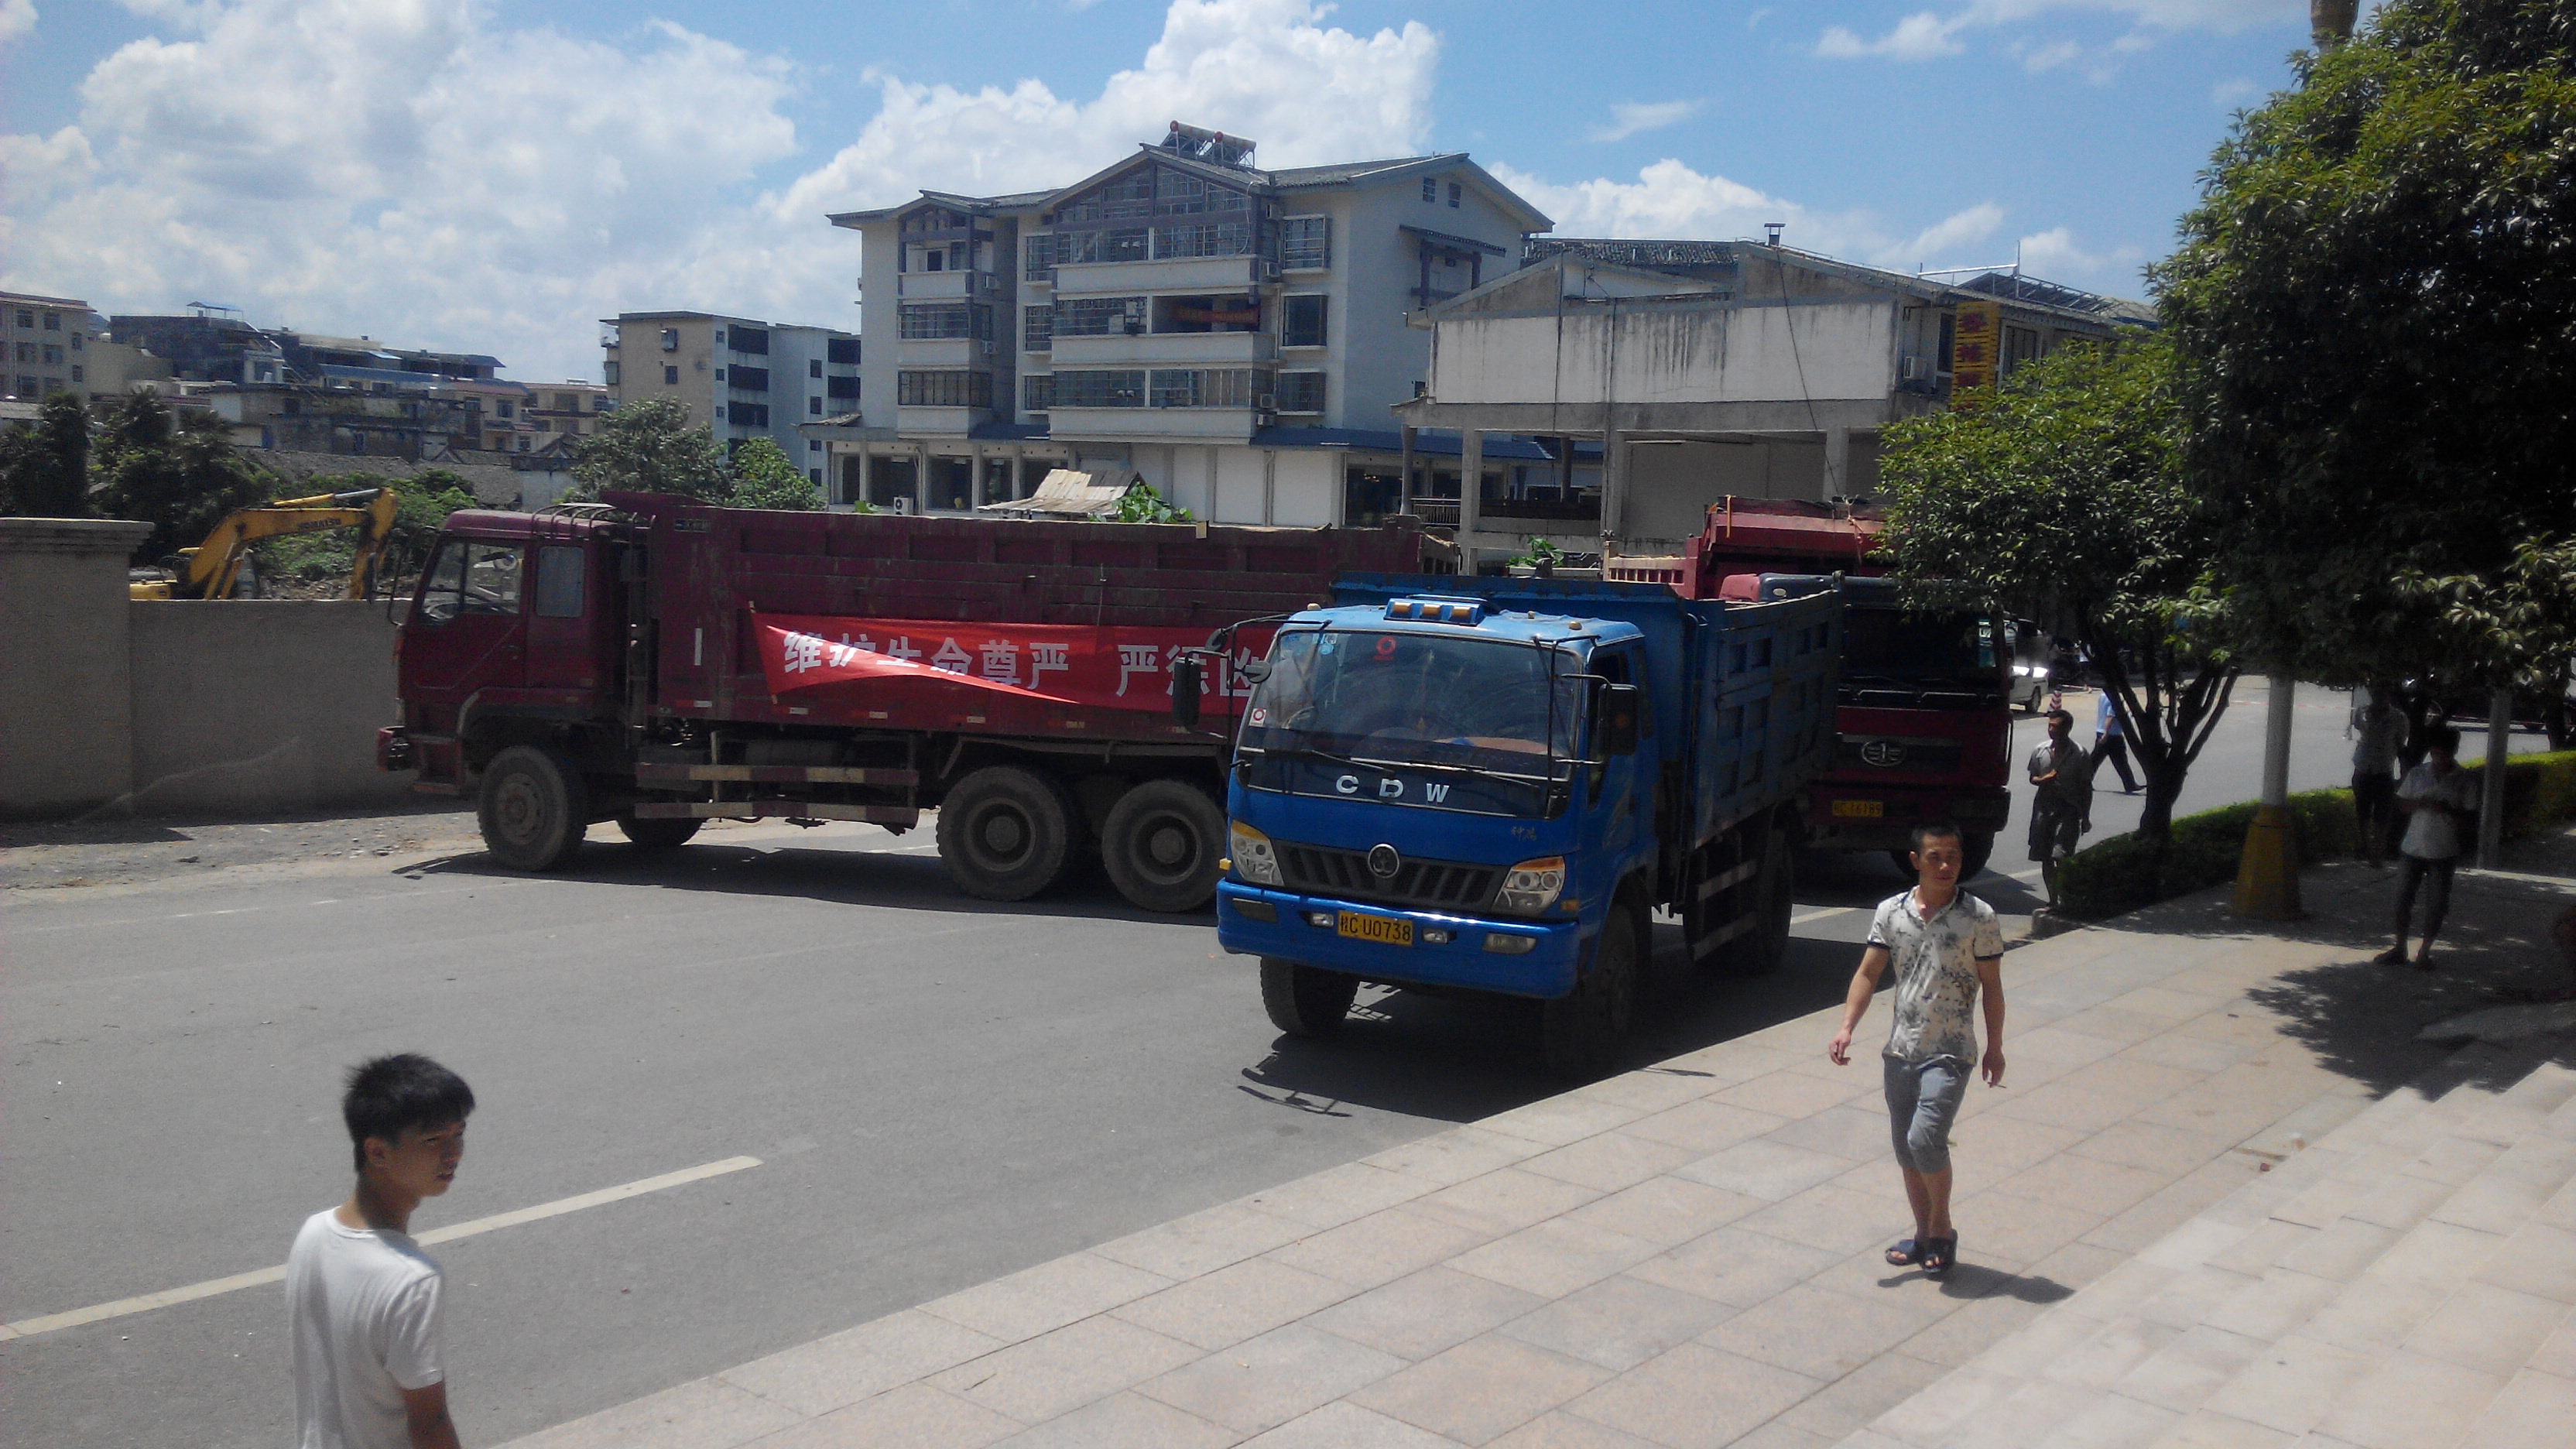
pixel 1922 1099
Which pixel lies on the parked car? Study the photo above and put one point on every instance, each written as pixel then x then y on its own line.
pixel 2032 674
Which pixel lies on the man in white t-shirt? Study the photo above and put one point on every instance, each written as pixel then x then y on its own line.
pixel 2435 797
pixel 361 1297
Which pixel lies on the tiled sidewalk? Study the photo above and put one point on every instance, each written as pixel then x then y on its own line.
pixel 1684 1255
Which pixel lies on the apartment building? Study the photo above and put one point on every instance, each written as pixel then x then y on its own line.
pixel 1235 335
pixel 743 378
pixel 60 344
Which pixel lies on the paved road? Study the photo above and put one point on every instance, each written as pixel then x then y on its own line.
pixel 938 1091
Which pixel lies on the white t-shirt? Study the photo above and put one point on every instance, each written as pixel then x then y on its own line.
pixel 2434 834
pixel 1935 960
pixel 362 1309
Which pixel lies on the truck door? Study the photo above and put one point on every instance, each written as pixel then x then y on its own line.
pixel 565 636
pixel 1626 781
pixel 467 633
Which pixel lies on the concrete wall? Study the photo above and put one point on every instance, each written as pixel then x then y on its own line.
pixel 1670 354
pixel 65 666
pixel 257 706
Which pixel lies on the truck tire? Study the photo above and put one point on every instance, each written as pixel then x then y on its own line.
pixel 657 834
pixel 534 808
pixel 1306 1000
pixel 1579 1031
pixel 1976 848
pixel 1160 845
pixel 1775 896
pixel 1006 834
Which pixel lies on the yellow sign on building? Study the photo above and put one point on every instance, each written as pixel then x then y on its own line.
pixel 1976 346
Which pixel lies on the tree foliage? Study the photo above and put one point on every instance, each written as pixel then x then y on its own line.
pixel 1141 504
pixel 649 447
pixel 765 477
pixel 176 470
pixel 44 465
pixel 2375 311
pixel 422 502
pixel 2060 497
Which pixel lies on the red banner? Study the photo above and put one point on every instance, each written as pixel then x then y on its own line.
pixel 1117 667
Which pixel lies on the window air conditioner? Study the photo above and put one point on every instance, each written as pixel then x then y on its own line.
pixel 1269 270
pixel 1268 402
pixel 1911 369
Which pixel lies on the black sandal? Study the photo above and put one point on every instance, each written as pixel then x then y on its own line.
pixel 1939 1254
pixel 1906 1253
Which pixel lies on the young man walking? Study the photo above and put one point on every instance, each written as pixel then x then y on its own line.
pixel 2061 807
pixel 1947 948
pixel 361 1297
pixel 2435 797
pixel 2111 741
pixel 2378 728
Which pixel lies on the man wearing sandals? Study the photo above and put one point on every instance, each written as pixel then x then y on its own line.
pixel 1948 951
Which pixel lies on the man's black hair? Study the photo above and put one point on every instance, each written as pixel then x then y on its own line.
pixel 2443 738
pixel 405 1090
pixel 1931 830
pixel 2058 714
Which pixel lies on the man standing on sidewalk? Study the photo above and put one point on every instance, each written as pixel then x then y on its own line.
pixel 2436 797
pixel 2377 730
pixel 1947 948
pixel 2061 808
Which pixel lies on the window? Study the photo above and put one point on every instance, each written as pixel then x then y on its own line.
pixel 2021 344
pixel 754 340
pixel 949 388
pixel 560 574
pixel 54 354
pixel 813 367
pixel 1037 392
pixel 504 407
pixel 1204 239
pixel 1430 188
pixel 1306 243
pixel 1301 320
pixel 1121 244
pixel 470 578
pixel 842 351
pixel 53 321
pixel 670 377
pixel 946 321
pixel 1099 317
pixel 670 339
pixel 1453 193
pixel 76 341
pixel 747 415
pixel 814 407
pixel 1037 329
pixel 1203 387
pixel 749 379
pixel 26 352
pixel 1301 392
pixel 608 373
pixel 27 387
pixel 567 403
pixel 79 374
pixel 53 385
pixel 841 387
pixel 719 337
pixel 1120 388
pixel 26 318
pixel 814 476
pixel 813 445
pixel 1037 257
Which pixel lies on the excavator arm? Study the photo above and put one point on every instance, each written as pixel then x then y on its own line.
pixel 212 569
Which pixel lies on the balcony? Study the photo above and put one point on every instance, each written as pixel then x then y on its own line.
pixel 1166 349
pixel 1584 509
pixel 943 352
pixel 938 421
pixel 1185 425
pixel 1173 274
pixel 947 286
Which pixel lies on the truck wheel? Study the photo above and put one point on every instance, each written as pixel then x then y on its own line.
pixel 1579 1031
pixel 658 833
pixel 1775 895
pixel 534 808
pixel 1161 843
pixel 1005 833
pixel 1305 1000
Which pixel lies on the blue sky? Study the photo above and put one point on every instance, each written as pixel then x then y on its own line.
pixel 496 175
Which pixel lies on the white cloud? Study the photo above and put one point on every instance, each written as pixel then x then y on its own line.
pixel 2235 91
pixel 1965 228
pixel 17 17
pixel 1630 117
pixel 2057 256
pixel 1921 36
pixel 412 170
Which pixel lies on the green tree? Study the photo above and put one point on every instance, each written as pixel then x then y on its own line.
pixel 649 447
pixel 177 471
pixel 1141 504
pixel 765 477
pixel 2371 307
pixel 44 466
pixel 2061 498
pixel 422 503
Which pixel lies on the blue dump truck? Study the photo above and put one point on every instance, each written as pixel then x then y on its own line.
pixel 1487 785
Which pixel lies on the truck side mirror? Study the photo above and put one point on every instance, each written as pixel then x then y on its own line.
pixel 1616 719
pixel 1187 686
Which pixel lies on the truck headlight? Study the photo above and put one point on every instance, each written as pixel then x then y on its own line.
pixel 1254 858
pixel 1531 886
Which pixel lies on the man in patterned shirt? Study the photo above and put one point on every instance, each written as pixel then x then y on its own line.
pixel 1948 951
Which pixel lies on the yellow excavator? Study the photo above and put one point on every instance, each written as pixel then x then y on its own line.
pixel 212 569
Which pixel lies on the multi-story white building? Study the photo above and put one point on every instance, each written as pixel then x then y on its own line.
pixel 1237 336
pixel 58 344
pixel 742 378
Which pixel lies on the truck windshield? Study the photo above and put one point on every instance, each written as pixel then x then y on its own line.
pixel 1920 649
pixel 1480 704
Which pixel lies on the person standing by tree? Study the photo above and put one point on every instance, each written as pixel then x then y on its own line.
pixel 2062 810
pixel 2111 743
pixel 2437 797
pixel 2378 729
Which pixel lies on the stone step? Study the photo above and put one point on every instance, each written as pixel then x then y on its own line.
pixel 2404 1278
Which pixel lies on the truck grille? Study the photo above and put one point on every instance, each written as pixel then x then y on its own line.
pixel 1437 883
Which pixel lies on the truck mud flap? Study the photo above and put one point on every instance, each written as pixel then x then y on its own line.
pixel 903 816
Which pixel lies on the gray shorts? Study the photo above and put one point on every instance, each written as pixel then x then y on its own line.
pixel 1922 1099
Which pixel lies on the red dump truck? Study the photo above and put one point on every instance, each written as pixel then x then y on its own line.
pixel 1923 713
pixel 658 663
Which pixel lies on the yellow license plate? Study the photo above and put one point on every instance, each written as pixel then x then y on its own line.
pixel 1385 930
pixel 1861 809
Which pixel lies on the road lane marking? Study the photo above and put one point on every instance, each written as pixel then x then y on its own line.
pixel 212 1287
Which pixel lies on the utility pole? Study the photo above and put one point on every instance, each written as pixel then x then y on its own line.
pixel 2491 787
pixel 2267 877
